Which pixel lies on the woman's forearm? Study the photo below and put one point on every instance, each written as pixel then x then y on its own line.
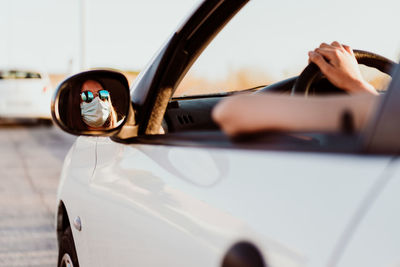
pixel 251 113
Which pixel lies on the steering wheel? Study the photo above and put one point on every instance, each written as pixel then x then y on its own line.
pixel 312 74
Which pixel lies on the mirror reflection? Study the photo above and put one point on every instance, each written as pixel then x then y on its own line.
pixel 90 102
pixel 96 107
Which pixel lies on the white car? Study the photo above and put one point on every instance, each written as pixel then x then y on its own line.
pixel 166 187
pixel 26 94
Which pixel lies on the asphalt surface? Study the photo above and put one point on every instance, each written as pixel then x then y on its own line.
pixel 30 164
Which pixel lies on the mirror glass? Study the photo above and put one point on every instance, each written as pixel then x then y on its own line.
pixel 92 101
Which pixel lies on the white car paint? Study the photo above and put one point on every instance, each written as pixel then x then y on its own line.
pixel 377 238
pixel 153 205
pixel 25 97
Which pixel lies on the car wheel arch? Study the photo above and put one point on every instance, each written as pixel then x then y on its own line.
pixel 62 220
pixel 243 254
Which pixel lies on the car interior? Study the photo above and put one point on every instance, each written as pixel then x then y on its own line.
pixel 194 112
pixel 187 120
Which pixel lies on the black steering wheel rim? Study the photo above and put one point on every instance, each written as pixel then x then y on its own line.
pixel 312 72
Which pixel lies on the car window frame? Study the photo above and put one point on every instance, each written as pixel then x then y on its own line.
pixel 381 135
pixel 154 88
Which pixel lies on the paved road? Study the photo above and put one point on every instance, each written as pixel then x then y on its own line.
pixel 30 163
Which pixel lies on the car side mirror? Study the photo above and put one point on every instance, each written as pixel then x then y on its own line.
pixel 92 103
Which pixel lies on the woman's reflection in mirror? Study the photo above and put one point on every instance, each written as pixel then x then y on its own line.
pixel 96 108
pixel 91 107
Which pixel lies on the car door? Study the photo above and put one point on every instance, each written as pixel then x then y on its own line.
pixel 188 205
pixel 377 238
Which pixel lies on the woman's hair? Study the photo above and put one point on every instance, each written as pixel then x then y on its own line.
pixel 74 117
pixel 112 119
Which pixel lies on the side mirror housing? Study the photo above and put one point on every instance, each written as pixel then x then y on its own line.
pixel 93 103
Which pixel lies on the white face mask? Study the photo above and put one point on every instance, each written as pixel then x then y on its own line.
pixel 95 113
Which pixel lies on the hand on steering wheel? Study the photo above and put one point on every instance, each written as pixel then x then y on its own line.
pixel 339 64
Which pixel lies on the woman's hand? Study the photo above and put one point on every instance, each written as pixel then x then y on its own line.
pixel 338 63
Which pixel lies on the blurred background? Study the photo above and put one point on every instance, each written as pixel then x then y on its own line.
pixel 44 41
pixel 64 37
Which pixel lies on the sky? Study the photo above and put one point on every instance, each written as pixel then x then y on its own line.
pixel 125 34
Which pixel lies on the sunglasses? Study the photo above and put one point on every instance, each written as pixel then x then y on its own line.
pixel 88 96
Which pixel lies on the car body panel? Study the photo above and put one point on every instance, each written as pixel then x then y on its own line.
pixel 76 172
pixel 377 234
pixel 141 195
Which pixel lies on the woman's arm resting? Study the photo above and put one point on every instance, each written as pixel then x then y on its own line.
pixel 254 113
